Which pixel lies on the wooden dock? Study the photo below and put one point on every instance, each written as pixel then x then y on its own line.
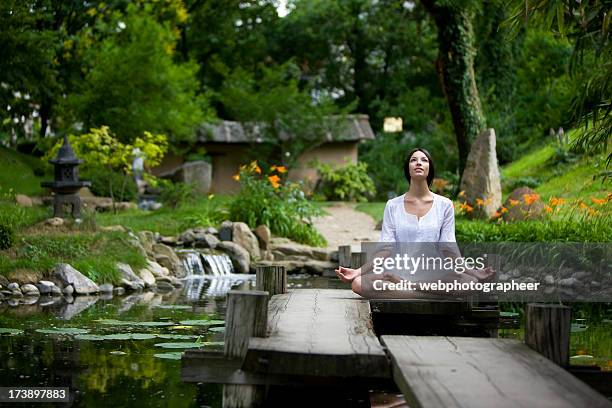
pixel 325 337
pixel 481 372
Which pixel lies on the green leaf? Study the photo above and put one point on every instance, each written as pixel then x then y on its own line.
pixel 5 330
pixel 202 322
pixel 118 336
pixel 170 356
pixel 189 344
pixel 63 330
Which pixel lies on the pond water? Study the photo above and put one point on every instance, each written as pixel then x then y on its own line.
pixel 120 350
pixel 126 350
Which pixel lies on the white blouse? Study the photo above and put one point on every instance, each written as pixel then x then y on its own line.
pixel 437 225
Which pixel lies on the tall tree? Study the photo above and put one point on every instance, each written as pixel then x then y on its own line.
pixel 587 23
pixel 455 66
pixel 133 83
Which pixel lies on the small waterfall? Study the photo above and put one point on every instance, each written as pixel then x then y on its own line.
pixel 192 262
pixel 219 265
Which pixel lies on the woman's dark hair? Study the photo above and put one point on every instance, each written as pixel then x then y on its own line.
pixel 430 175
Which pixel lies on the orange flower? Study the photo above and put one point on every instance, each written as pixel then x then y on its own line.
pixel 592 212
pixel 479 202
pixel 274 180
pixel 469 208
pixel 461 193
pixel 530 198
pixel 599 201
pixel 554 201
pixel 514 202
pixel 548 209
pixel 488 200
pixel 281 169
pixel 497 214
pixel 504 210
pixel 236 177
pixel 583 206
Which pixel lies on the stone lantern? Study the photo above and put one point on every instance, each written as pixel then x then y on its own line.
pixel 66 184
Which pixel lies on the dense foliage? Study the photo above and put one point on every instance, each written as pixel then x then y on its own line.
pixel 522 67
pixel 349 182
pixel 282 206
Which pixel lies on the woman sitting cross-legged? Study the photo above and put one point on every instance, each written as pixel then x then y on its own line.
pixel 419 219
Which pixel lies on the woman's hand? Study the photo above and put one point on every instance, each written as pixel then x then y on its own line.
pixel 347 274
pixel 482 274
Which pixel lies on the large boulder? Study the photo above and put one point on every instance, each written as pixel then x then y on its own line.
pixel 263 234
pixel 523 204
pixel 242 235
pixel 148 277
pixel 225 230
pixel 165 256
pixel 310 266
pixel 156 269
pixel 196 173
pixel 199 237
pixel 285 249
pixel 23 200
pixel 46 287
pixel 128 278
pixel 481 182
pixel 147 240
pixel 66 275
pixel 238 255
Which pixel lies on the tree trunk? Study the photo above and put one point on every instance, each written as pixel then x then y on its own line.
pixel 455 66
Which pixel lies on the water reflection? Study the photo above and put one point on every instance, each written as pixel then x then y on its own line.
pixel 126 373
pixel 108 372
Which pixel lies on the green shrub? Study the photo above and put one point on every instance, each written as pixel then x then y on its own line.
pixel 577 230
pixel 284 208
pixel 102 180
pixel 531 182
pixel 7 236
pixel 347 183
pixel 174 194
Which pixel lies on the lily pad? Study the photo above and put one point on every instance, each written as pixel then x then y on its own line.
pixel 118 336
pixel 6 330
pixel 183 345
pixel 508 314
pixel 174 307
pixel 218 329
pixel 578 328
pixel 114 322
pixel 118 353
pixel 63 330
pixel 181 327
pixel 202 322
pixel 583 357
pixel 176 355
pixel 177 336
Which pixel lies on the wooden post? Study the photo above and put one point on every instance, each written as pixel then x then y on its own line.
pixel 547 331
pixel 344 256
pixel 246 316
pixel 271 279
pixel 358 259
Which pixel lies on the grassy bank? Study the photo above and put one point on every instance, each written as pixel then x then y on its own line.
pixel 17 173
pixel 93 254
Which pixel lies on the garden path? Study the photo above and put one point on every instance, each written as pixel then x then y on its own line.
pixel 344 225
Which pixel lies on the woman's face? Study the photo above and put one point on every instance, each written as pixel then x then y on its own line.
pixel 418 166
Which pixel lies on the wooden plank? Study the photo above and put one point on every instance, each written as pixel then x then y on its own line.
pixel 482 372
pixel 419 306
pixel 318 332
pixel 212 367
